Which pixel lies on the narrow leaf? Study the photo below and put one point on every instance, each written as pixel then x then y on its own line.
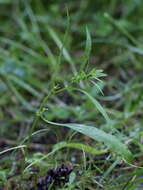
pixel 13 148
pixel 79 146
pixel 98 106
pixel 110 141
pixel 19 96
pixel 24 85
pixel 87 50
pixel 60 45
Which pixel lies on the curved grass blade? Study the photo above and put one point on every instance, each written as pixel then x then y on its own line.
pixel 25 49
pixel 42 43
pixel 79 146
pixel 57 68
pixel 17 94
pixel 98 106
pixel 109 140
pixel 122 30
pixel 60 45
pixel 13 148
pixel 70 145
pixel 87 50
pixel 26 86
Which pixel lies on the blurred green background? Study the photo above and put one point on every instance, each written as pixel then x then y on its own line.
pixel 31 36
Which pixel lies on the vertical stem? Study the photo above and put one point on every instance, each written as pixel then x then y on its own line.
pixel 52 91
pixel 32 130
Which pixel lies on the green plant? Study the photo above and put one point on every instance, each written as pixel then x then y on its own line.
pixel 38 59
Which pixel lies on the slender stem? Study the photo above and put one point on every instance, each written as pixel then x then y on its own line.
pixel 38 115
pixel 32 130
pixel 27 145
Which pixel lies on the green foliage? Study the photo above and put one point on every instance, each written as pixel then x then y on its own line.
pixel 79 146
pixel 87 51
pixel 114 144
pixel 45 53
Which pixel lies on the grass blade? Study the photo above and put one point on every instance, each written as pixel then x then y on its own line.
pixel 79 146
pixel 109 140
pixel 87 50
pixel 98 106
pixel 60 46
pixel 122 30
pixel 24 85
pixel 13 148
pixel 19 96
